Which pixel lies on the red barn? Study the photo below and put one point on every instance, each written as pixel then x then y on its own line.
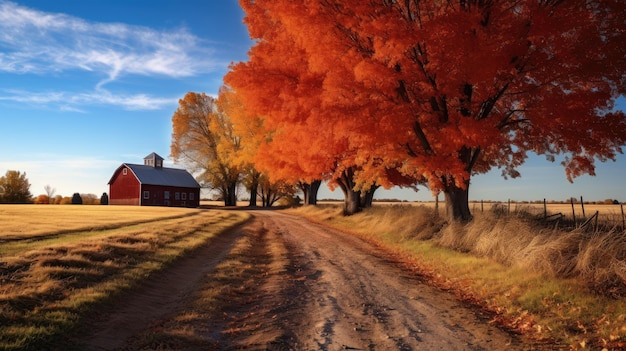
pixel 151 184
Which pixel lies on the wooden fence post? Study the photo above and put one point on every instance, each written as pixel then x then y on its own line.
pixel 582 205
pixel 573 212
pixel 481 207
pixel 545 209
pixel 623 220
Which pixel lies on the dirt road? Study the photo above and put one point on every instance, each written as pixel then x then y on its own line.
pixel 300 286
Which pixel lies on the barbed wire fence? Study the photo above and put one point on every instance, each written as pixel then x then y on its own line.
pixel 569 216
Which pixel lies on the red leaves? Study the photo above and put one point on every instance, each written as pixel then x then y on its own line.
pixel 411 85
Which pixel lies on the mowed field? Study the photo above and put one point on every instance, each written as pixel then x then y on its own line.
pixel 20 221
pixel 59 262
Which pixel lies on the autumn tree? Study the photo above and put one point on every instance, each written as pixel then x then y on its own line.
pixel 250 131
pixel 77 199
pixel 50 191
pixel 455 88
pixel 265 86
pixel 15 188
pixel 56 200
pixel 301 145
pixel 90 199
pixel 270 192
pixel 42 199
pixel 203 138
pixel 104 199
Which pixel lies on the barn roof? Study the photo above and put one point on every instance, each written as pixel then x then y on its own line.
pixel 160 176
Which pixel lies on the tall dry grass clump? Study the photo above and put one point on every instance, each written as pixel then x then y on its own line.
pixel 601 260
pixel 404 222
pixel 519 240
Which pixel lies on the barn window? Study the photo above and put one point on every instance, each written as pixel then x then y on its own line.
pixel 191 196
pixel 177 195
pixel 146 194
pixel 167 195
pixel 184 196
pixel 125 171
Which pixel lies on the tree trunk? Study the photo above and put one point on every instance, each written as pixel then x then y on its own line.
pixel 351 198
pixel 310 192
pixel 351 202
pixel 368 197
pixel 457 203
pixel 253 193
pixel 230 194
pixel 457 199
pixel 267 197
pixel 275 197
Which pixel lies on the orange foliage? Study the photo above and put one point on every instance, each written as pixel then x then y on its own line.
pixel 304 139
pixel 203 138
pixel 438 90
pixel 42 199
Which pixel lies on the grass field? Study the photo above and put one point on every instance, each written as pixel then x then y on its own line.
pixel 20 221
pixel 59 262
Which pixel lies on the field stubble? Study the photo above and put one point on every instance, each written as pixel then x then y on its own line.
pixel 24 221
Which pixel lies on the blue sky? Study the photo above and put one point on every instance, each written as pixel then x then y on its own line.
pixel 88 85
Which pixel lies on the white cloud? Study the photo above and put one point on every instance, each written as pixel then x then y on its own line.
pixel 71 102
pixel 129 102
pixel 55 44
pixel 40 42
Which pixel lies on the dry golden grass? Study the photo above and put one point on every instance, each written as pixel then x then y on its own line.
pixel 47 284
pixel 35 220
pixel 236 282
pixel 562 285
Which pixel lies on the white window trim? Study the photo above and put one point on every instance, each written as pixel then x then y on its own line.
pixel 146 194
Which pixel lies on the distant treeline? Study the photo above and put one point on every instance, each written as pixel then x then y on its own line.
pixel 76 199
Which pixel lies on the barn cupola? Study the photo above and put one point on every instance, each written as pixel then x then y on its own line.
pixel 153 160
